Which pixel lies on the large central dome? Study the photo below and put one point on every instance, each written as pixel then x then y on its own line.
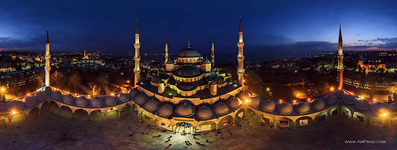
pixel 188 71
pixel 189 52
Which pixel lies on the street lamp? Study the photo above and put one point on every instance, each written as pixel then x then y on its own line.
pixel 331 89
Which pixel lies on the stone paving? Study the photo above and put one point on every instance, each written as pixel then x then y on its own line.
pixel 50 132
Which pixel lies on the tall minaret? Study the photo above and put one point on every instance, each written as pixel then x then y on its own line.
pixel 240 56
pixel 212 53
pixel 166 51
pixel 47 67
pixel 340 58
pixel 137 57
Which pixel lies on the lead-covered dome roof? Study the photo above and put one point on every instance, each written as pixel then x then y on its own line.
pixel 285 108
pixel 204 112
pixel 189 52
pixel 166 110
pixel 302 107
pixel 188 71
pixel 268 106
pixel 184 109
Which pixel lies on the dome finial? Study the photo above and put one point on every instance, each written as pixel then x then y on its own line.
pixel 188 44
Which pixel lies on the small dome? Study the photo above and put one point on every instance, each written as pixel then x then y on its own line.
pixel 124 97
pixel 151 105
pixel 363 104
pixel 268 106
pixel 339 94
pixel 243 95
pixel 302 107
pixel 206 61
pixel 331 99
pixel 133 93
pixel 97 102
pixel 221 108
pixel 379 107
pixel 255 101
pixel 111 101
pixel 30 101
pixel 68 99
pixel 16 105
pixel 219 80
pixel 56 95
pixel 188 71
pixel 189 52
pixel 41 95
pixel 185 110
pixel 285 108
pixel 48 90
pixel 3 106
pixel 166 110
pixel 204 112
pixel 318 104
pixel 349 99
pixel 233 102
pixel 140 99
pixel 393 107
pixel 186 86
pixel 82 101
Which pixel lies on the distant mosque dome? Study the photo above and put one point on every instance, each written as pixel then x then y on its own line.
pixel 189 52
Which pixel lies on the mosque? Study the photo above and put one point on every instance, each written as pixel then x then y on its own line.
pixel 191 95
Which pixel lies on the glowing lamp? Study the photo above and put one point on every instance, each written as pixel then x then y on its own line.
pixel 128 81
pixel 13 112
pixel 384 114
pixel 28 94
pixel 3 89
pixel 268 89
pixel 246 100
pixel 331 89
pixel 112 94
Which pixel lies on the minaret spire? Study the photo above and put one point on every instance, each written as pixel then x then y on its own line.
pixel 240 56
pixel 340 67
pixel 188 44
pixel 137 57
pixel 166 51
pixel 212 52
pixel 47 67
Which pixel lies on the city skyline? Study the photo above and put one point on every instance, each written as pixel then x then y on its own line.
pixel 268 26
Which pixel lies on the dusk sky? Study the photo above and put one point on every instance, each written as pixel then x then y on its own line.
pixel 296 25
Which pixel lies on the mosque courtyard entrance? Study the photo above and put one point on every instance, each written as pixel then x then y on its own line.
pixel 184 128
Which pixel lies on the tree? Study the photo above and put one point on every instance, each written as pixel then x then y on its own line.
pixel 75 79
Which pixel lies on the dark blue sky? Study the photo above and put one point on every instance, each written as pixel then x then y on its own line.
pixel 295 25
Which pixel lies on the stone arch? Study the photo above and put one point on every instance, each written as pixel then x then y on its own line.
pixel 225 122
pixel 45 107
pixel 80 114
pixel 97 115
pixel 206 126
pixel 284 122
pixel 334 111
pixel 32 114
pixel 135 109
pixel 239 115
pixel 65 112
pixel 17 119
pixel 345 111
pixel 323 116
pixel 266 120
pixel 360 117
pixel 112 113
pixel 251 115
pixel 163 123
pixel 304 121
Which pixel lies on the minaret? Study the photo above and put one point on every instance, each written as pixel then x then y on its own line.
pixel 240 56
pixel 85 53
pixel 166 51
pixel 212 53
pixel 47 67
pixel 340 59
pixel 137 57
